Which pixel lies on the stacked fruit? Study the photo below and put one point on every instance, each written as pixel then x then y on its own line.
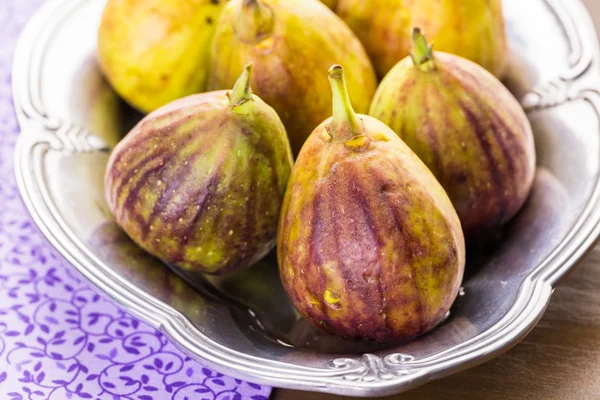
pixel 369 220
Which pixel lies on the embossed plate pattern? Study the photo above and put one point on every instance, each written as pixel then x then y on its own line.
pixel 243 324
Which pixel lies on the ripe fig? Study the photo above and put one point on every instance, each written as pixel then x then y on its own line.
pixel 289 42
pixel 467 127
pixel 369 245
pixel 473 29
pixel 156 51
pixel 199 183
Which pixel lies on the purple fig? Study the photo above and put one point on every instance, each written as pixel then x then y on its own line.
pixel 369 244
pixel 467 127
pixel 199 183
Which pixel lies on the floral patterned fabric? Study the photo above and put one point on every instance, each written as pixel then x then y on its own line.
pixel 58 338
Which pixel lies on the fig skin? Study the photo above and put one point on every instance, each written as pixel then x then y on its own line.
pixel 469 130
pixel 199 183
pixel 290 43
pixel 156 51
pixel 369 245
pixel 473 29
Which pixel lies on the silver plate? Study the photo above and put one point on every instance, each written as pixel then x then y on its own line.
pixel 244 325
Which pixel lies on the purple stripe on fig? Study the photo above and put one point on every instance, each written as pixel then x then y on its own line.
pixel 193 224
pixel 480 134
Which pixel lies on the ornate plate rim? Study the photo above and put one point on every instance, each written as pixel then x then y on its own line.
pixel 368 375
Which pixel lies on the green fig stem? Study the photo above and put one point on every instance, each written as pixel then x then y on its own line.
pixel 254 21
pixel 241 91
pixel 422 52
pixel 345 123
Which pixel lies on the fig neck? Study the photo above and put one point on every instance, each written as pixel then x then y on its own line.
pixel 241 92
pixel 345 124
pixel 422 52
pixel 254 21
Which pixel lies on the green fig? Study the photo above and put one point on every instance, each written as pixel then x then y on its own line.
pixel 199 183
pixel 157 51
pixel 473 29
pixel 369 245
pixel 467 127
pixel 289 42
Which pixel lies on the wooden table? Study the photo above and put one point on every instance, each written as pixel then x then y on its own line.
pixel 559 360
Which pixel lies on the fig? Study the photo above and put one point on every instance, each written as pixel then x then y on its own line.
pixel 467 127
pixel 156 51
pixel 199 183
pixel 473 29
pixel 289 43
pixel 369 245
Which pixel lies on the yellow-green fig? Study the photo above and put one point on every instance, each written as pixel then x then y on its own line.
pixel 199 183
pixel 473 29
pixel 467 127
pixel 289 43
pixel 369 245
pixel 156 51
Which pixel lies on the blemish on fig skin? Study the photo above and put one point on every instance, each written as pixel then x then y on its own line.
pixel 332 300
pixel 326 136
pixel 380 137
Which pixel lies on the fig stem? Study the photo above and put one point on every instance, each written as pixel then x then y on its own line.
pixel 422 52
pixel 345 123
pixel 241 91
pixel 254 21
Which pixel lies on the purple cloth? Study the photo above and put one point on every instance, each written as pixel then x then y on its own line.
pixel 59 339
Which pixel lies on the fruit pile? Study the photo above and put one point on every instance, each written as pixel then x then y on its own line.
pixel 370 221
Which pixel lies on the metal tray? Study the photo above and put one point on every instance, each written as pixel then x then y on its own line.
pixel 243 324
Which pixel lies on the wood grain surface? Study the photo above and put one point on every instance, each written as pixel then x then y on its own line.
pixel 559 360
